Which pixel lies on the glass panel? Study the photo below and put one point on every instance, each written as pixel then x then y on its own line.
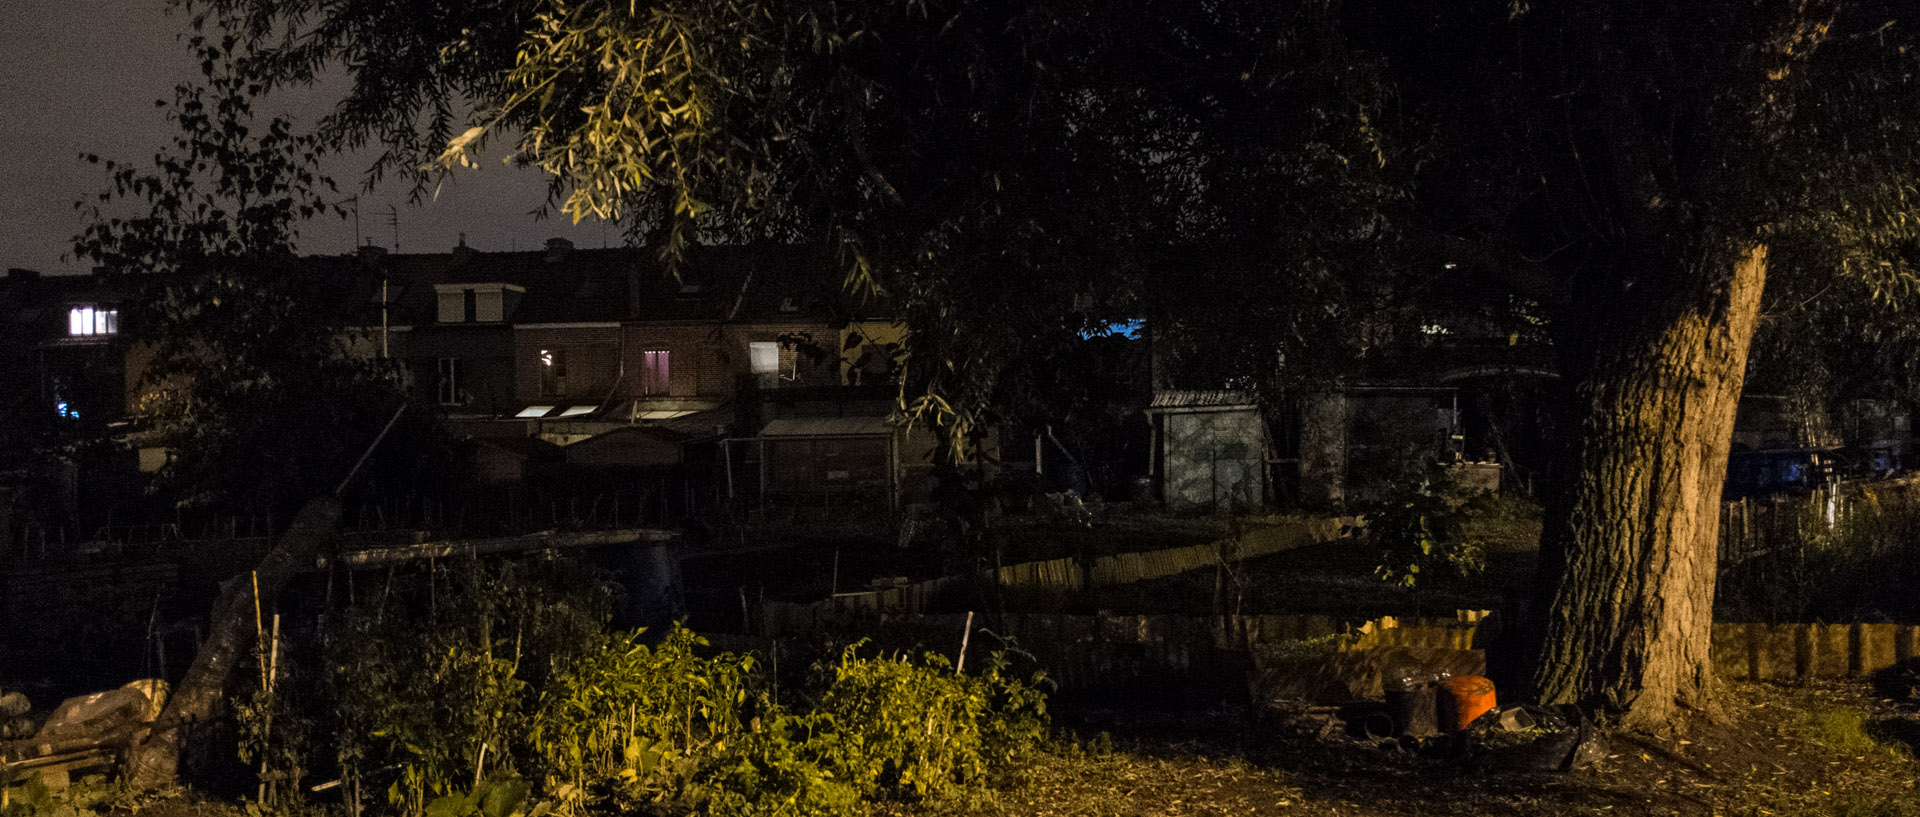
pixel 765 357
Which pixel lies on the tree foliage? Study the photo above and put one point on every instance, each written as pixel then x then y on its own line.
pixel 246 383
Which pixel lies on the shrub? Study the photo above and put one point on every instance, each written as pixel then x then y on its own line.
pixel 499 673
pixel 920 728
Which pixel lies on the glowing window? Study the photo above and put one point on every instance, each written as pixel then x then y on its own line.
pixel 83 321
pixel 763 358
pixel 531 412
pixel 659 414
pixel 655 375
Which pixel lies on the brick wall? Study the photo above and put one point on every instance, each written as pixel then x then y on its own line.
pixel 593 361
pixel 695 360
pixel 825 372
pixel 704 360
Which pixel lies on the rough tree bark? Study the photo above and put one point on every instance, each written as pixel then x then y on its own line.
pixel 1628 558
pixel 156 760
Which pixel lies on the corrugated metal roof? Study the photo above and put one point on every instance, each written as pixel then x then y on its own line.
pixel 827 427
pixel 1216 398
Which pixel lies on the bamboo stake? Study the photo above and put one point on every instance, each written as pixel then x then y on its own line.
pixel 259 631
pixel 965 635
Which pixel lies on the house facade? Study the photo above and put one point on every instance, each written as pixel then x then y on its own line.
pixel 574 346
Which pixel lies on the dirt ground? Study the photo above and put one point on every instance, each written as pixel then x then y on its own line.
pixel 1799 752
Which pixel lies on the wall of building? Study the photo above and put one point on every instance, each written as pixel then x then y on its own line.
pixel 592 357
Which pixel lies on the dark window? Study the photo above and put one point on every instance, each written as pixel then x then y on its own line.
pixel 451 380
pixel 472 306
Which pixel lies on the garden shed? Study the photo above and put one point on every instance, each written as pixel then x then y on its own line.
pixel 1209 450
pixel 830 460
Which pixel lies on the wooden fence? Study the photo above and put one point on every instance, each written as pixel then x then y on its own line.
pixel 1080 651
pixel 1803 652
pixel 1083 650
pixel 1069 574
pixel 1762 526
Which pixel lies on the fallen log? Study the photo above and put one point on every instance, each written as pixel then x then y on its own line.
pixel 156 760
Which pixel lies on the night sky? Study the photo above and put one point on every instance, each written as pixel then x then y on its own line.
pixel 82 76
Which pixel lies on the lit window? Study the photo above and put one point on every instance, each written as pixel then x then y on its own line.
pixel 764 358
pixel 532 412
pixel 575 411
pixel 553 373
pixel 654 372
pixel 86 320
pixel 659 414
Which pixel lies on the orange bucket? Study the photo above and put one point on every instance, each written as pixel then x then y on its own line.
pixel 1463 698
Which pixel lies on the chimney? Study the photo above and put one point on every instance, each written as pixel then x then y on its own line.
pixel 557 249
pixel 463 253
pixel 371 252
pixel 18 274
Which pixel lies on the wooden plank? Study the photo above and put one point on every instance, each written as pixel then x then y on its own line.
pixel 1831 653
pixel 1729 651
pixel 374 557
pixel 1876 649
pixel 1776 653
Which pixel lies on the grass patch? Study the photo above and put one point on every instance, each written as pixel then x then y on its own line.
pixel 1845 730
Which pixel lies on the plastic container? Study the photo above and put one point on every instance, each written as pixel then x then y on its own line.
pixel 1461 699
pixel 1411 700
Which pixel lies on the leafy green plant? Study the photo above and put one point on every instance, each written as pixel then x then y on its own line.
pixel 1421 536
pixel 778 769
pixel 624 723
pixel 498 796
pixel 903 727
pixel 275 733
pixel 496 691
pixel 438 677
pixel 921 728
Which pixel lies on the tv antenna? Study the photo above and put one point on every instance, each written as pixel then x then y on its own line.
pixel 393 220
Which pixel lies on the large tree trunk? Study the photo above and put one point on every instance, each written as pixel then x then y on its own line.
pixel 1628 555
pixel 156 760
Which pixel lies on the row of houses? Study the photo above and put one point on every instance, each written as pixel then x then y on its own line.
pixel 757 367
pixel 754 362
